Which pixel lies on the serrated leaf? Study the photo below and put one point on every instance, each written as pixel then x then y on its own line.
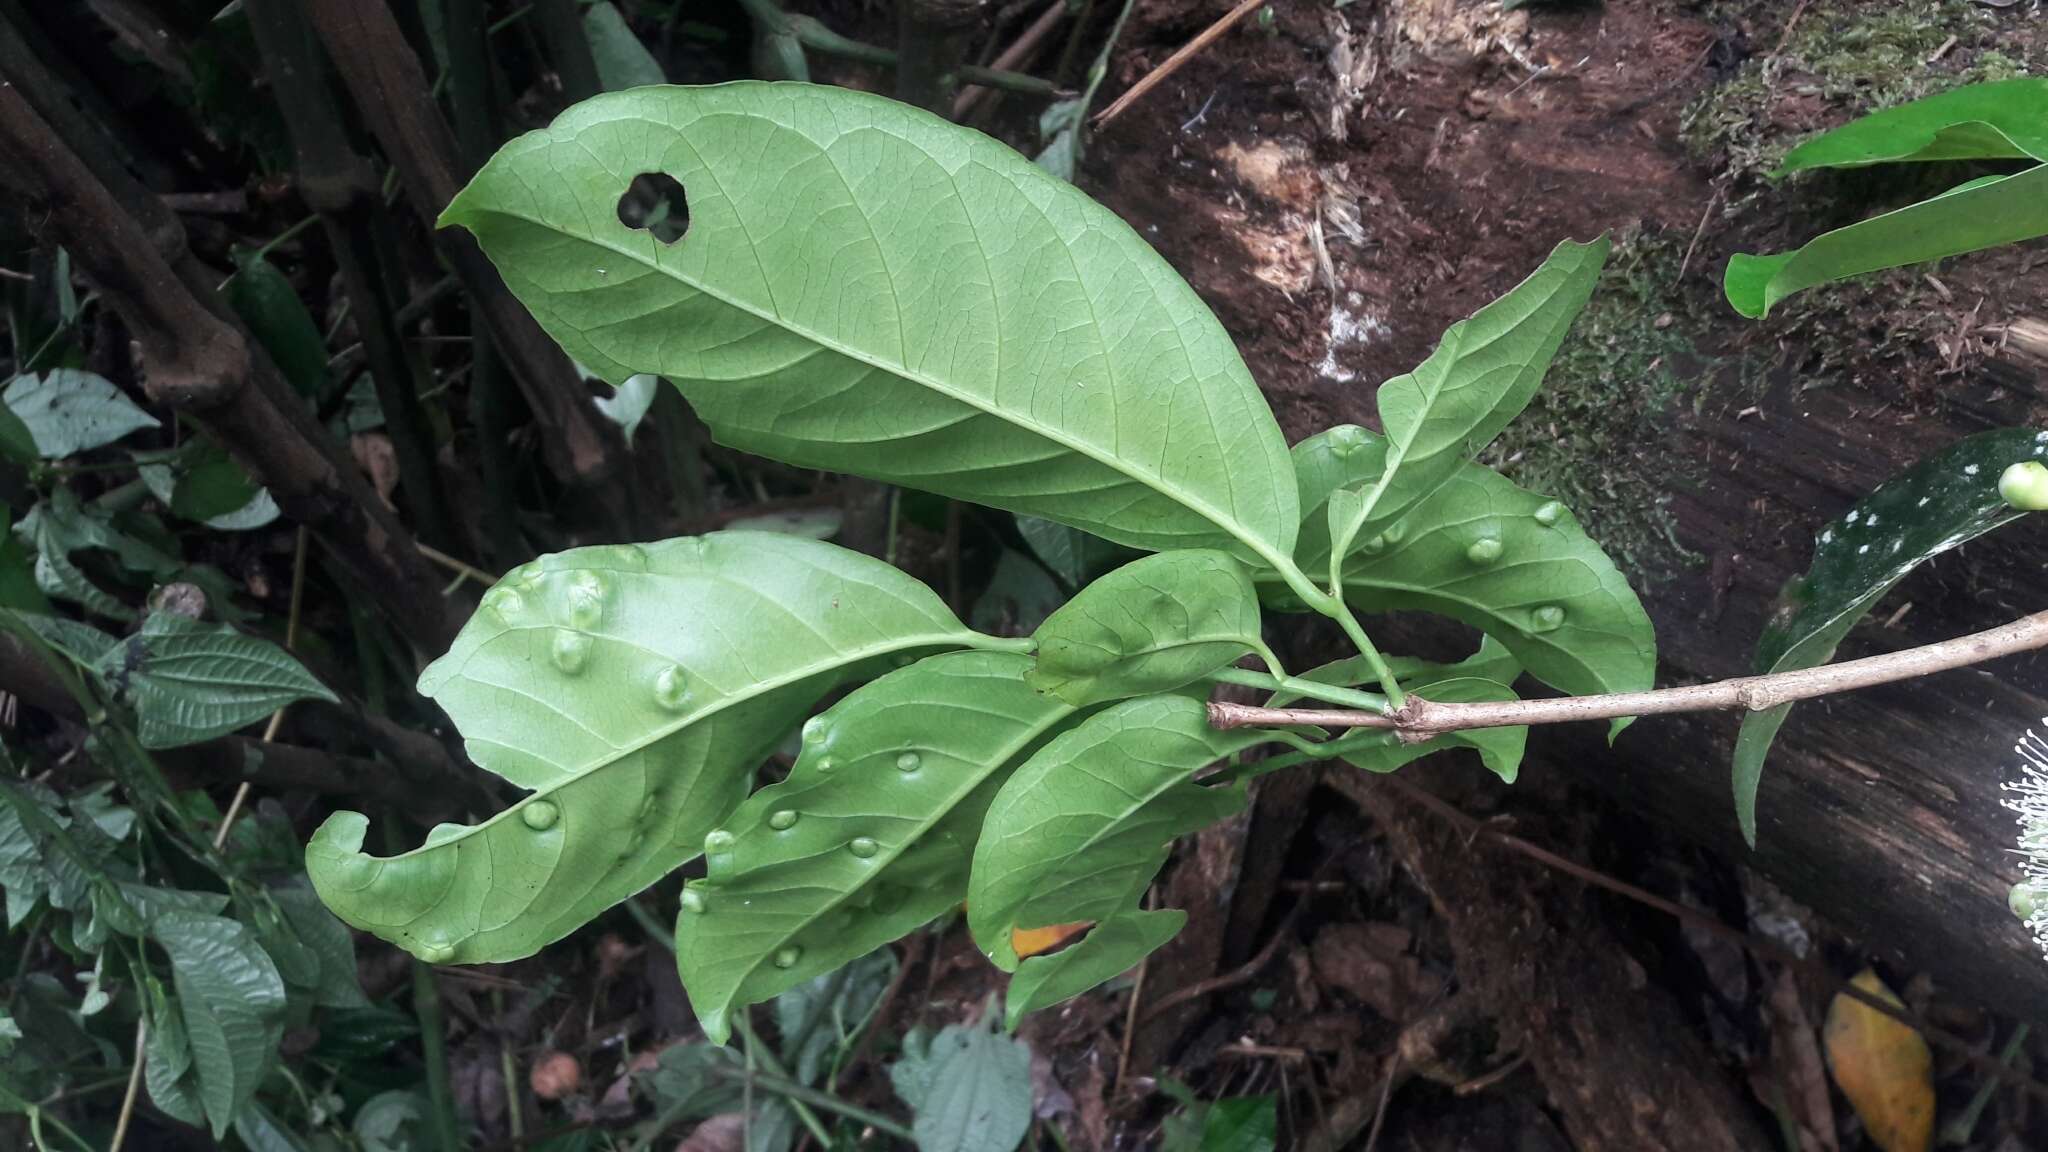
pixel 68 411
pixel 1078 831
pixel 1110 948
pixel 1076 557
pixel 1970 217
pixel 1550 595
pixel 802 893
pixel 633 688
pixel 1999 120
pixel 1482 374
pixel 264 299
pixel 231 1002
pixel 622 60
pixel 868 288
pixel 189 681
pixel 979 1099
pixel 1152 625
pixel 1883 1066
pixel 1943 501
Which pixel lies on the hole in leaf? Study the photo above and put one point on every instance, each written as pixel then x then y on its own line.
pixel 655 202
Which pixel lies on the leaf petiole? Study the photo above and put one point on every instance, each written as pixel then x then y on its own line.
pixel 1329 693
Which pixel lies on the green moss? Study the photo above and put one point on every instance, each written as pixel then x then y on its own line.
pixel 1593 437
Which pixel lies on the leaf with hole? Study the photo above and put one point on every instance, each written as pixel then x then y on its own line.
pixel 68 411
pixel 1079 830
pixel 1110 948
pixel 632 689
pixel 1482 374
pixel 1999 120
pixel 1945 500
pixel 1150 626
pixel 867 288
pixel 188 681
pixel 870 835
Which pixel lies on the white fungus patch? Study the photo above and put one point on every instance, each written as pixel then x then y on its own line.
pixel 1348 329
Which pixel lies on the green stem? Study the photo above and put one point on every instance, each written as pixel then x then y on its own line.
pixel 426 1006
pixel 760 1053
pixel 1332 604
pixel 1328 693
pixel 796 1093
pixel 1306 752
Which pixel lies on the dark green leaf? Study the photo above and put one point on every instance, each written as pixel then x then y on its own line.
pixel 200 482
pixel 2000 120
pixel 1941 502
pixel 231 1002
pixel 17 443
pixel 68 411
pixel 18 589
pixel 634 689
pixel 622 61
pixel 827 1013
pixel 1109 949
pixel 173 1086
pixel 1078 832
pixel 266 302
pixel 1076 557
pixel 1967 218
pixel 1019 596
pixel 946 316
pixel 1234 1124
pixel 1150 626
pixel 329 941
pixel 189 681
pixel 904 769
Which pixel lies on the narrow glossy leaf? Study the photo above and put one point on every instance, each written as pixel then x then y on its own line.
pixel 231 1002
pixel 265 300
pixel 1541 586
pixel 2000 120
pixel 1150 626
pixel 870 835
pixel 1076 557
pixel 189 681
pixel 868 288
pixel 68 411
pixel 1111 948
pixel 1078 832
pixel 1482 374
pixel 1487 674
pixel 1980 214
pixel 622 60
pixel 1941 502
pixel 979 1098
pixel 633 688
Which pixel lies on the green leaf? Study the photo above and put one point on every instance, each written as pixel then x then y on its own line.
pixel 903 769
pixel 1482 374
pixel 1967 218
pixel 62 525
pixel 622 61
pixel 867 288
pixel 68 411
pixel 633 688
pixel 1486 675
pixel 17 443
pixel 200 482
pixel 1078 832
pixel 189 681
pixel 1019 596
pixel 2000 120
pixel 1110 948
pixel 1150 626
pixel 329 941
pixel 976 1092
pixel 231 1003
pixel 18 590
pixel 1550 594
pixel 265 300
pixel 1945 500
pixel 629 402
pixel 393 1121
pixel 828 1012
pixel 1233 1124
pixel 173 1086
pixel 1076 557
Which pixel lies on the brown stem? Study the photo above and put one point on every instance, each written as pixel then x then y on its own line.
pixel 1173 63
pixel 205 368
pixel 384 78
pixel 1420 719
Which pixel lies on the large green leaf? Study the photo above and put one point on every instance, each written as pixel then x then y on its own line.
pixel 1078 831
pixel 1967 218
pixel 633 688
pixel 1510 563
pixel 869 836
pixel 1150 626
pixel 68 411
pixel 1937 504
pixel 1483 373
pixel 231 1003
pixel 189 681
pixel 1999 120
pixel 867 288
pixel 1110 948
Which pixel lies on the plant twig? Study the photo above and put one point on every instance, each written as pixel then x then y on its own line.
pixel 1420 719
pixel 1174 62
pixel 1231 979
pixel 134 1083
pixel 1015 56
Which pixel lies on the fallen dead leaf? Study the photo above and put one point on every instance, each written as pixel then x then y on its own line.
pixel 1036 941
pixel 1883 1067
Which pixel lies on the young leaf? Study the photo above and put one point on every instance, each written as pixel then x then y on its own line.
pixel 189 681
pixel 869 836
pixel 68 411
pixel 1483 373
pixel 231 1003
pixel 1979 214
pixel 980 1094
pixel 1079 830
pixel 1943 501
pixel 2000 120
pixel 633 688
pixel 1110 948
pixel 1150 626
pixel 868 288
pixel 1508 562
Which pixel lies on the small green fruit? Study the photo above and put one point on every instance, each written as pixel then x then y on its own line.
pixel 2025 486
pixel 2024 899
